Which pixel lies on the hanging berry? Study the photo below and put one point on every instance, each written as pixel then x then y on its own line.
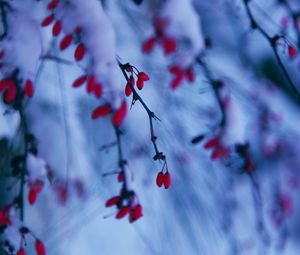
pixel 160 179
pixel 29 89
pixel 101 111
pixel 56 28
pixel 79 81
pixel 66 41
pixel 40 248
pixel 47 21
pixel 112 201
pixel 119 115
pixel 79 52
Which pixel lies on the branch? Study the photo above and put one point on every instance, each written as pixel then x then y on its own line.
pixel 216 84
pixel 272 41
pixel 26 147
pixel 121 162
pixel 295 16
pixel 136 97
pixel 3 5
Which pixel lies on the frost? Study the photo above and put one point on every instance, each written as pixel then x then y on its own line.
pixel 36 167
pixel 22 46
pixel 184 24
pixel 99 39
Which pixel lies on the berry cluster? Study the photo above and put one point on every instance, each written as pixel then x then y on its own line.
pixel 164 178
pixel 160 37
pixel 126 203
pixel 180 74
pixel 141 78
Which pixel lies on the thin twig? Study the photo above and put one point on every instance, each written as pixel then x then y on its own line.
pixel 216 88
pixel 136 97
pixel 24 167
pixel 121 162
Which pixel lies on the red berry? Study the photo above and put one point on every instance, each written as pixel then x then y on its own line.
pixel 98 90
pixel 176 70
pixel 212 143
pixel 176 82
pixel 32 196
pixel 169 45
pixel 135 213
pixel 167 180
pixel 160 179
pixel 112 201
pixel 21 252
pixel 148 45
pixel 91 84
pixel 79 81
pixel 66 41
pixel 6 83
pixel 143 76
pixel 40 248
pixel 29 89
pixel 140 84
pixel 189 74
pixel 2 218
pixel 56 28
pixel 120 177
pixel 10 94
pixel 79 52
pixel 119 115
pixel 47 21
pixel 2 53
pixel 128 90
pixel 292 51
pixel 101 111
pixel 123 212
pixel 52 5
pixel 219 152
pixel 178 76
